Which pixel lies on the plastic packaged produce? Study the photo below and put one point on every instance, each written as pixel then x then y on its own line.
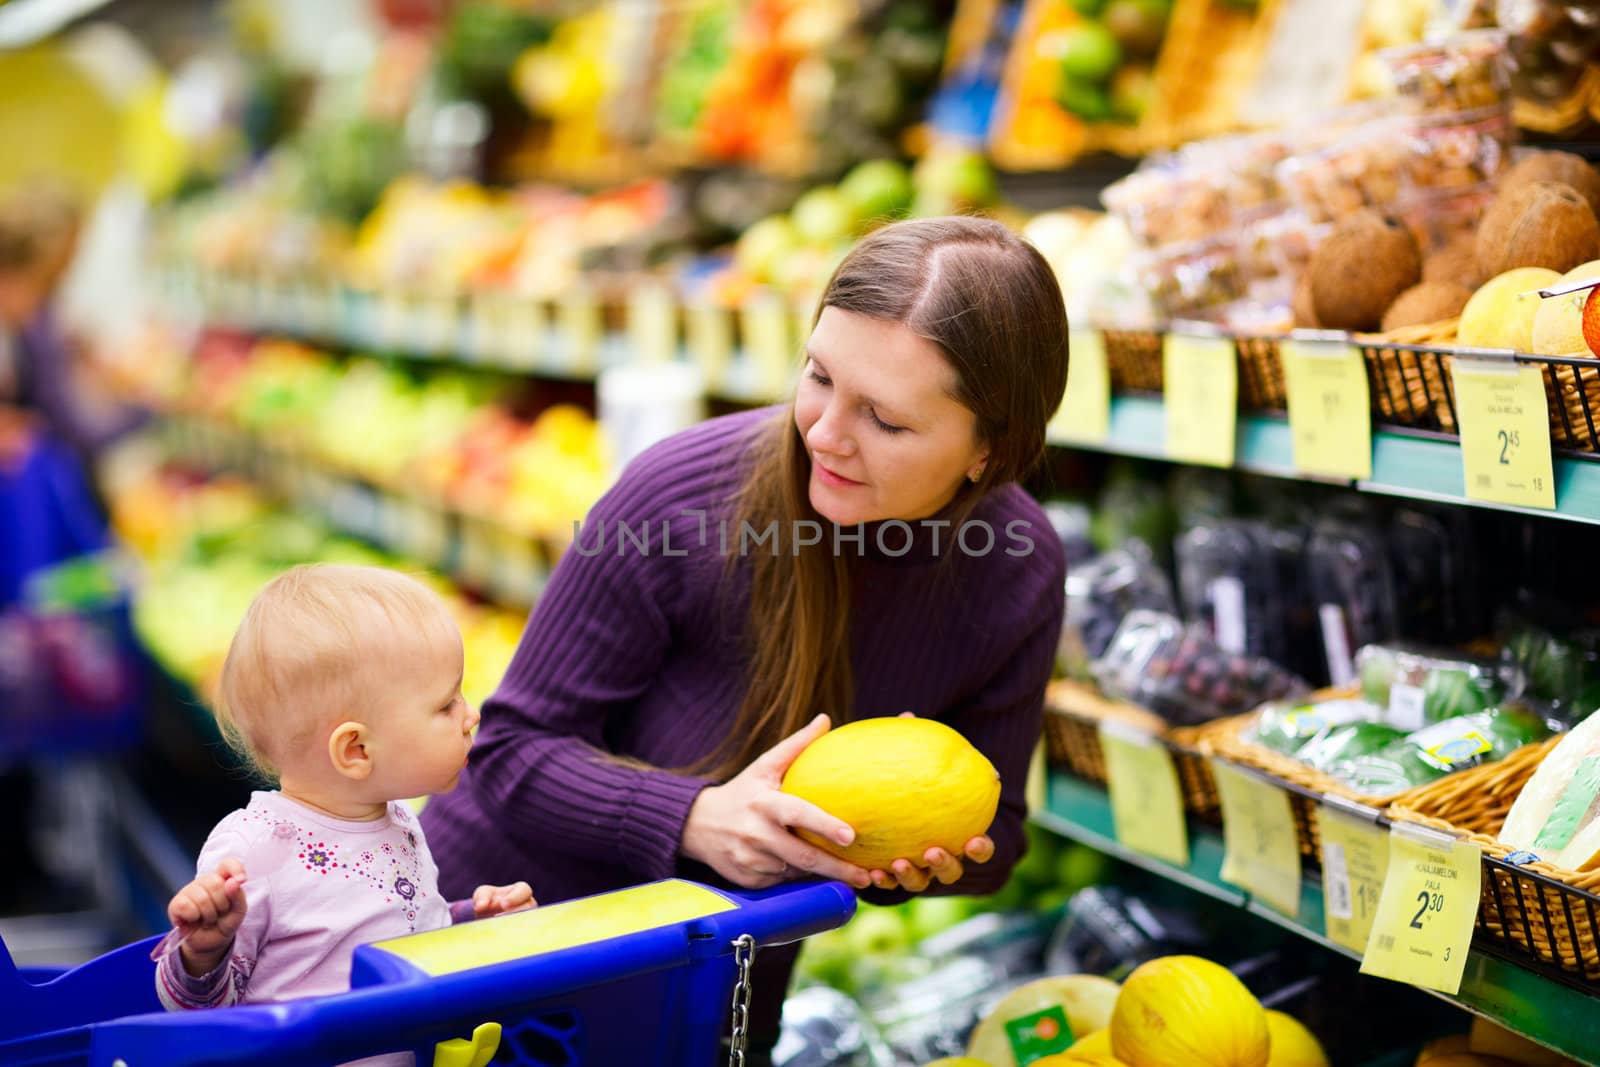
pixel 823 1027
pixel 1443 748
pixel 1562 672
pixel 1417 686
pixel 1464 72
pixel 1434 561
pixel 1184 676
pixel 1459 151
pixel 1188 280
pixel 1072 521
pixel 1368 166
pixel 1289 726
pixel 1110 931
pixel 1228 583
pixel 1100 594
pixel 1347 567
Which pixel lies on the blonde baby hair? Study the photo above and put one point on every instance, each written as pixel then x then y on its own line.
pixel 310 646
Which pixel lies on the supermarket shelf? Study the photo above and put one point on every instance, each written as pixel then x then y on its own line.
pixel 1418 468
pixel 507 565
pixel 1552 1013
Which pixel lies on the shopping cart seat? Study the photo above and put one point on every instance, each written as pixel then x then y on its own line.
pixel 641 975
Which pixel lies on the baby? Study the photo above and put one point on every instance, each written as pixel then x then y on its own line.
pixel 344 684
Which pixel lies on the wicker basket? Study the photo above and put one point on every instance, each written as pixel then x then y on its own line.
pixel 1262 386
pixel 1572 389
pixel 1133 360
pixel 1073 715
pixel 1548 913
pixel 1306 786
pixel 1408 373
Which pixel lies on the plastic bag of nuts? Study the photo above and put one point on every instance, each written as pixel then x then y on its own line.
pixel 1465 72
pixel 1460 151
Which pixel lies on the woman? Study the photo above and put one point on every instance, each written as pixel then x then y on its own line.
pixel 863 551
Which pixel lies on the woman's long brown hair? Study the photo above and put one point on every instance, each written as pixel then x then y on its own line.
pixel 992 305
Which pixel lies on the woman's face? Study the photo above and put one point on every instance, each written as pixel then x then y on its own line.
pixel 886 437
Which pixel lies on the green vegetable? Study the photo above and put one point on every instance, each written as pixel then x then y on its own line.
pixel 1342 743
pixel 1449 694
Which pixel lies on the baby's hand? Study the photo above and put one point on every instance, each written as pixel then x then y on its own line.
pixel 207 913
pixel 490 900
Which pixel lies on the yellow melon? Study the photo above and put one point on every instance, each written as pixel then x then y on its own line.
pixel 1558 324
pixel 1444 1046
pixel 1499 315
pixel 1292 1044
pixel 1492 1039
pixel 1083 1002
pixel 1184 1011
pixel 904 784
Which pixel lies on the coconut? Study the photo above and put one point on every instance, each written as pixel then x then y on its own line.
pixel 1561 167
pixel 1359 270
pixel 1426 302
pixel 1301 307
pixel 1538 224
pixel 1456 262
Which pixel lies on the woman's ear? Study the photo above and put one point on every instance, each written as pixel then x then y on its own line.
pixel 347 748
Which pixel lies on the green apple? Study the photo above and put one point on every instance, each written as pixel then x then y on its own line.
pixel 764 246
pixel 1088 52
pixel 933 915
pixel 1079 867
pixel 1087 101
pixel 877 931
pixel 877 189
pixel 1132 90
pixel 952 180
pixel 823 217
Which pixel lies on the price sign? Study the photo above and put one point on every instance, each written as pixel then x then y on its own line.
pixel 1330 419
pixel 1146 805
pixel 710 337
pixel 1085 411
pixel 581 330
pixel 1202 393
pixel 1505 433
pixel 1355 859
pixel 768 343
pixel 652 324
pixel 1260 854
pixel 1423 928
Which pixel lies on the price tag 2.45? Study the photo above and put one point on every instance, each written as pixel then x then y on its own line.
pixel 1261 852
pixel 1423 929
pixel 1505 433
pixel 1146 805
pixel 1201 395
pixel 1330 420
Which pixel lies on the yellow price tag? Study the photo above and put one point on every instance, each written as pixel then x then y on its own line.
pixel 581 330
pixel 710 338
pixel 1201 391
pixel 1355 861
pixel 1330 417
pixel 1259 850
pixel 768 343
pixel 1505 433
pixel 1146 804
pixel 1085 411
pixel 1423 929
pixel 653 324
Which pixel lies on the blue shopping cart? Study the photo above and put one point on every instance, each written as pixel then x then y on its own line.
pixel 656 974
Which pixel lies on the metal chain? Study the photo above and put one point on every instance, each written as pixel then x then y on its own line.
pixel 744 954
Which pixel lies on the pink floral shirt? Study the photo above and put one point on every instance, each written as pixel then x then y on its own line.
pixel 315 888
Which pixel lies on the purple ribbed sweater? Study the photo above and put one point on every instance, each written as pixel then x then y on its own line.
pixel 640 653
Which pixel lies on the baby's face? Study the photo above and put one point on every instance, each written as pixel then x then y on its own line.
pixel 424 728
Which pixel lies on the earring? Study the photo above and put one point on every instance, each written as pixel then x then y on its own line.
pixel 973 478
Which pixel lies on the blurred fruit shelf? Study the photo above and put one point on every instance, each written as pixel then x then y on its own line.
pixel 1545 1010
pixel 480 552
pixel 1402 465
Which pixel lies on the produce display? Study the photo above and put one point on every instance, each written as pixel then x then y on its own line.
pixel 1554 815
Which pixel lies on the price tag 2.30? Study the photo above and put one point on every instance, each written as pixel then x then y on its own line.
pixel 1423 929
pixel 1201 393
pixel 1261 854
pixel 1505 433
pixel 1146 805
pixel 1085 412
pixel 1355 861
pixel 1330 420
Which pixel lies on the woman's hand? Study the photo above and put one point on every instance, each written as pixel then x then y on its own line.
pixel 743 828
pixel 939 864
pixel 490 900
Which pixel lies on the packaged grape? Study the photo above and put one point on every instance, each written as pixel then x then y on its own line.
pixel 1227 583
pixel 1417 685
pixel 1183 675
pixel 1100 594
pixel 1348 577
pixel 1464 72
